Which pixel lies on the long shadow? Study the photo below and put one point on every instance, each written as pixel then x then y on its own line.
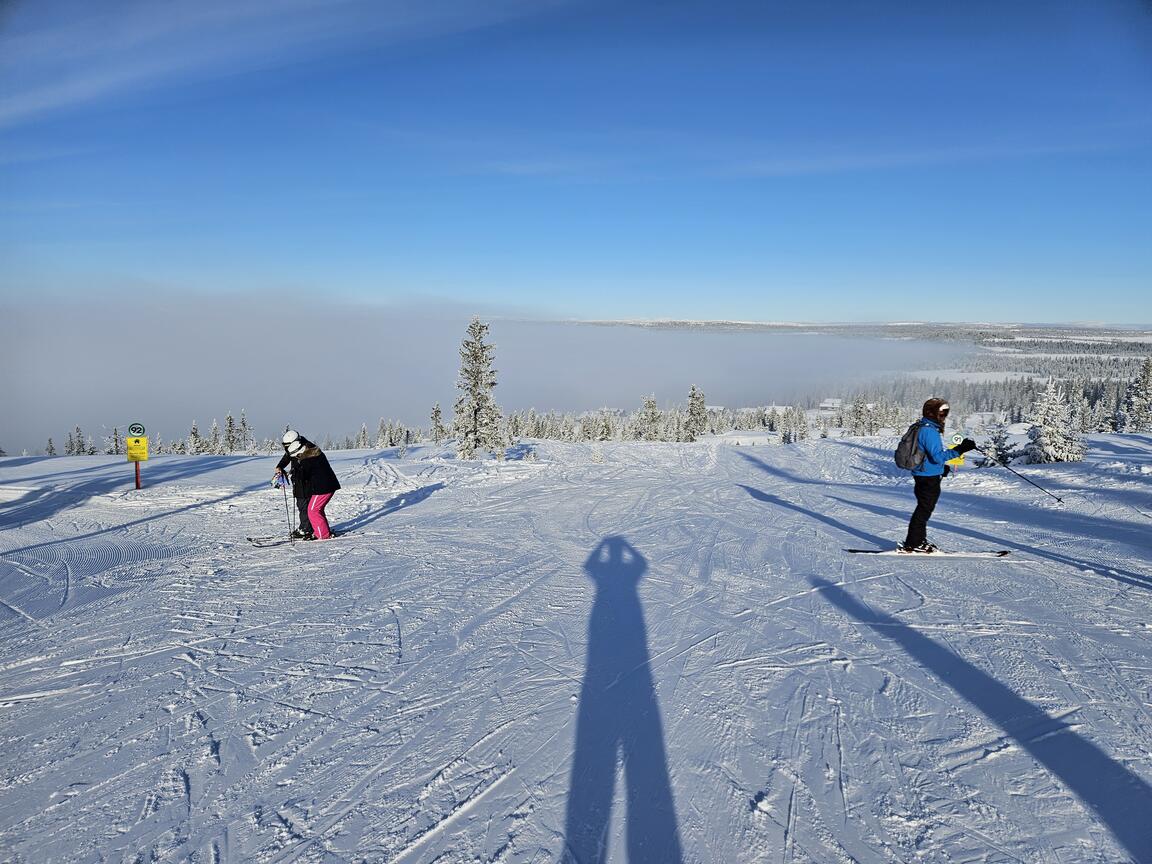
pixel 1074 524
pixel 1128 577
pixel 619 719
pixel 1120 799
pixel 1115 448
pixel 773 471
pixel 812 514
pixel 114 528
pixel 17 461
pixel 43 504
pixel 407 499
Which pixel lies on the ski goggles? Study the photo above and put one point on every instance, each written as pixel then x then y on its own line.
pixel 942 411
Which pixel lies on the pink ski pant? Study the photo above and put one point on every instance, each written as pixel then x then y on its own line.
pixel 316 516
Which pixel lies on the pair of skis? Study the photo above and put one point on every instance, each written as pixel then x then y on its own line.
pixel 281 540
pixel 993 553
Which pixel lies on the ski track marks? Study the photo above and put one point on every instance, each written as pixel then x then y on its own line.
pixel 411 692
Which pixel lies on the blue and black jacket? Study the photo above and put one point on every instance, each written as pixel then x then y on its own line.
pixel 930 437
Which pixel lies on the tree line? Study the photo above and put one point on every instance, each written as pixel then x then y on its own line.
pixel 1064 408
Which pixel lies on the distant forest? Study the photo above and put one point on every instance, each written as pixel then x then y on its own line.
pixel 1102 376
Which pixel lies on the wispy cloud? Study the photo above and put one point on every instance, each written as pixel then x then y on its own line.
pixel 63 54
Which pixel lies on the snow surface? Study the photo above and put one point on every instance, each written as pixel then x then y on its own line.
pixel 660 648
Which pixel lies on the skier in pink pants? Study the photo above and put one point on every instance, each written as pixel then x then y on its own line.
pixel 319 481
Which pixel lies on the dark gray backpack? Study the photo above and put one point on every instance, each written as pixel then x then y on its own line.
pixel 908 454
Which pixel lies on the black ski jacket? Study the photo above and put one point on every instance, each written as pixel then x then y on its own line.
pixel 286 460
pixel 313 474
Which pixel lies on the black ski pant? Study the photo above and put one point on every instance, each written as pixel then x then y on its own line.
pixel 927 493
pixel 302 508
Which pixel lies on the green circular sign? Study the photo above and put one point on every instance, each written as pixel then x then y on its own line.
pixel 136 430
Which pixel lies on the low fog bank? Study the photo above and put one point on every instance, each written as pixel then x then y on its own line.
pixel 326 369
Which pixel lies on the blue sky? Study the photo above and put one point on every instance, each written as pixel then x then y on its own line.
pixel 820 161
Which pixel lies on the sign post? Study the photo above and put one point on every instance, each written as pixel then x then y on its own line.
pixel 137 447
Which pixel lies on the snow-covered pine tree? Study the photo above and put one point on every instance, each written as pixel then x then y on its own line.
pixel 999 447
pixel 697 423
pixel 89 447
pixel 607 430
pixel 859 418
pixel 114 444
pixel 231 435
pixel 362 438
pixel 476 424
pixel 69 446
pixel 439 432
pixel 1053 438
pixel 50 450
pixel 195 444
pixel 215 445
pixel 649 421
pixel 1135 414
pixel 246 442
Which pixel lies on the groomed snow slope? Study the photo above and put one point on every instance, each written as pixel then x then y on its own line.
pixel 659 647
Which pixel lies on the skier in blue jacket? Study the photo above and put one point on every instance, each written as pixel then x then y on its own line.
pixel 931 471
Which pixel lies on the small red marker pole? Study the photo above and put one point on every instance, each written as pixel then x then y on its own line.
pixel 137 447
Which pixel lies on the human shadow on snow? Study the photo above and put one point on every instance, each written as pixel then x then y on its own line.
pixel 1120 799
pixel 618 721
pixel 399 502
pixel 812 514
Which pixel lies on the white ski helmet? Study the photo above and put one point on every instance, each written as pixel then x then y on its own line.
pixel 295 447
pixel 290 436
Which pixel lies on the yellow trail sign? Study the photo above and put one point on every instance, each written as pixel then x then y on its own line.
pixel 137 449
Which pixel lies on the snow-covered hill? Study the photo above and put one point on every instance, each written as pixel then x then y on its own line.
pixel 658 651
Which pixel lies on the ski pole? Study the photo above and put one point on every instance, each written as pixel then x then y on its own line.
pixel 1021 476
pixel 287 514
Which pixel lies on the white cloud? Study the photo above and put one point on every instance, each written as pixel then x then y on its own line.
pixel 58 55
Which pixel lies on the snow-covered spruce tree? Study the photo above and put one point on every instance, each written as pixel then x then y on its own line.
pixel 215 445
pixel 999 447
pixel 1135 414
pixel 649 421
pixel 247 444
pixel 362 437
pixel 70 446
pixel 195 445
pixel 231 436
pixel 476 424
pixel 1053 438
pixel 89 447
pixel 438 431
pixel 50 450
pixel 697 423
pixel 114 444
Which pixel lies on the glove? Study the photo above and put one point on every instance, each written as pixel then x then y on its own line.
pixel 965 445
pixel 947 470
